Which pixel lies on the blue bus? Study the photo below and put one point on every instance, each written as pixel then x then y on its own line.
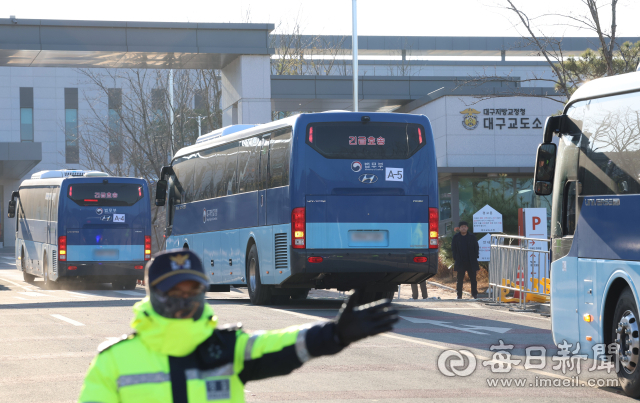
pixel 82 225
pixel 332 200
pixel 594 178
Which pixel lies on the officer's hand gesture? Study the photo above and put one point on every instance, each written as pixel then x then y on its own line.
pixel 355 323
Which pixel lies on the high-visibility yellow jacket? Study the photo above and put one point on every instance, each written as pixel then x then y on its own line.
pixel 185 360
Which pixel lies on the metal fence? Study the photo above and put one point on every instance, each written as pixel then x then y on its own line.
pixel 519 270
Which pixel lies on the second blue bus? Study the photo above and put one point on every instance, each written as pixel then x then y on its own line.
pixel 335 200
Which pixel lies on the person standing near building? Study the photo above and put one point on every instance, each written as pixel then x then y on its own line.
pixel 178 354
pixel 466 251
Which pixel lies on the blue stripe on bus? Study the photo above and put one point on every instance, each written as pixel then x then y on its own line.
pixel 337 236
pixel 90 253
pixel 599 234
pixel 228 212
pixel 35 230
pixel 220 246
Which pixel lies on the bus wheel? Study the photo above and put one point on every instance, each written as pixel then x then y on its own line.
pixel 29 278
pixel 258 293
pixel 625 334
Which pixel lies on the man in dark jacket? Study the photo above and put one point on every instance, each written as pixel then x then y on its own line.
pixel 466 251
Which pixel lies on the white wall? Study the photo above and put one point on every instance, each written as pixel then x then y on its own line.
pixel 457 146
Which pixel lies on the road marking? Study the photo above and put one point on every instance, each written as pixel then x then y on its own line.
pixel 137 294
pixel 433 345
pixel 16 284
pixel 64 318
pixel 83 294
pixel 33 294
pixel 468 328
pixel 26 299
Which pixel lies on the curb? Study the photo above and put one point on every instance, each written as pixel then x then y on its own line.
pixel 447 288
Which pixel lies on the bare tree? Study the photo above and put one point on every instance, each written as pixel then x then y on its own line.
pixel 569 72
pixel 127 131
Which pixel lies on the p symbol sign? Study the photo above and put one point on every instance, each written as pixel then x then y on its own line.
pixel 536 221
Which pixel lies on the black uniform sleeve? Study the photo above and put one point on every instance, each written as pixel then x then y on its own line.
pixel 310 341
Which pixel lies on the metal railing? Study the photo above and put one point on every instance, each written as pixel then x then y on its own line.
pixel 519 270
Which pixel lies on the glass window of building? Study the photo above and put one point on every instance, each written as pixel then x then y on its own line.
pixel 115 126
pixel 444 190
pixel 26 114
pixel 72 148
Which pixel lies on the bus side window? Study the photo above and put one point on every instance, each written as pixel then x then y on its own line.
pixel 264 161
pixel 279 158
pixel 569 209
pixel 248 160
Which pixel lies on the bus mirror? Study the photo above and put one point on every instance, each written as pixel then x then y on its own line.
pixel 543 188
pixel 551 125
pixel 12 209
pixel 545 162
pixel 161 192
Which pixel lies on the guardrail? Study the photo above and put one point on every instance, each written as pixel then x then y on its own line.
pixel 519 266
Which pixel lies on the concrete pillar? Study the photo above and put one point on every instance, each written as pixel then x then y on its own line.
pixel 246 91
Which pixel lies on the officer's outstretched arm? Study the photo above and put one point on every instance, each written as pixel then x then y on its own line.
pixel 100 384
pixel 279 352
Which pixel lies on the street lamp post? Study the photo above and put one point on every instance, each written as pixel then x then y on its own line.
pixel 354 46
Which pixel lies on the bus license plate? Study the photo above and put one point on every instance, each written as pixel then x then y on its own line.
pixel 368 238
pixel 106 253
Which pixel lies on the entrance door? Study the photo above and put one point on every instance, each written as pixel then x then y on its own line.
pixel 264 176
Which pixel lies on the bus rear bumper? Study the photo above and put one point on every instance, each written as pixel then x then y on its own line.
pixel 105 272
pixel 351 268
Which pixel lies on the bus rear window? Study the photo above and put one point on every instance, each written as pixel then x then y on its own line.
pixel 372 140
pixel 105 194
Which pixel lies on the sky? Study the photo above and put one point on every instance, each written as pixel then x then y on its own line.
pixel 333 17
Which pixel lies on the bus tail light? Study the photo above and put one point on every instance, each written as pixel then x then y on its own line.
pixel 311 134
pixel 420 259
pixel 298 228
pixel 138 267
pixel 62 248
pixel 433 228
pixel 420 135
pixel 72 268
pixel 147 247
pixel 315 259
pixel 70 191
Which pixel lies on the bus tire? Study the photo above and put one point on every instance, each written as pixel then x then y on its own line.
pixel 624 333
pixel 258 293
pixel 29 278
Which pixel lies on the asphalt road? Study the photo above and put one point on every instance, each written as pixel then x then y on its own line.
pixel 48 338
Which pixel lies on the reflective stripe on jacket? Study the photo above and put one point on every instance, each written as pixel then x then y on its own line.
pixel 135 370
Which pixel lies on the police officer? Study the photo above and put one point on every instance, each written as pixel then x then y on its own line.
pixel 178 354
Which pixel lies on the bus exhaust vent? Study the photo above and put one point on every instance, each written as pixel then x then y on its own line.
pixel 282 250
pixel 54 261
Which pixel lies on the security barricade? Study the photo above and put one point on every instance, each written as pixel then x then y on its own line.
pixel 519 270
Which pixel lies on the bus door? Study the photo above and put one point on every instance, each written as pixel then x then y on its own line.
pixel 264 175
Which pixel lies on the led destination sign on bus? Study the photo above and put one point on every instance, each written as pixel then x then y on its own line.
pixel 371 140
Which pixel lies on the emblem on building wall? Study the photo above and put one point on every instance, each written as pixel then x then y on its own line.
pixel 470 119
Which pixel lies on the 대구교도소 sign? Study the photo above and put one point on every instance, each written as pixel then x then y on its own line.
pixel 487 219
pixel 485 248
